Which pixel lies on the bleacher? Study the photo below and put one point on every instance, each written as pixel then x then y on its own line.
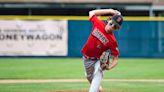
pixel 81 7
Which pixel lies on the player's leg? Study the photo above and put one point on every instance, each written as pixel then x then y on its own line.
pixel 97 77
pixel 89 69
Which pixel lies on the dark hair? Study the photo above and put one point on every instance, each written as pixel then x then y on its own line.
pixel 106 21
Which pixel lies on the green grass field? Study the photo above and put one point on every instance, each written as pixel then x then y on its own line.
pixel 72 68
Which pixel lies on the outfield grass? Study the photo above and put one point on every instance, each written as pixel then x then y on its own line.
pixel 58 68
pixel 70 68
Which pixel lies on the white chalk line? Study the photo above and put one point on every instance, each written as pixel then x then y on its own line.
pixel 75 80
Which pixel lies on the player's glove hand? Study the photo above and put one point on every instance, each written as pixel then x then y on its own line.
pixel 104 60
pixel 104 66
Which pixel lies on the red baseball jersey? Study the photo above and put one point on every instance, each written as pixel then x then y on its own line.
pixel 99 40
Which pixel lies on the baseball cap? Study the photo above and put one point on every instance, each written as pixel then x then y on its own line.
pixel 117 19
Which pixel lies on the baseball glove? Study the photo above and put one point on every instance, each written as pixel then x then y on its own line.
pixel 105 60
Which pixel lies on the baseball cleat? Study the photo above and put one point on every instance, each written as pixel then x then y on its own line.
pixel 100 89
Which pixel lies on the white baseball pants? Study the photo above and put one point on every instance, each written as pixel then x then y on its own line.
pixel 94 74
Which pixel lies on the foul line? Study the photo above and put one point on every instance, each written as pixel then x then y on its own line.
pixel 75 80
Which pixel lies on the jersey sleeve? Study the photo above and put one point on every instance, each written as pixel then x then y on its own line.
pixel 94 19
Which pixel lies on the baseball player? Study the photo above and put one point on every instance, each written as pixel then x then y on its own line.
pixel 100 45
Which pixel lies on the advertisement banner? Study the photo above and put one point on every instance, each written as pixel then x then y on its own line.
pixel 33 38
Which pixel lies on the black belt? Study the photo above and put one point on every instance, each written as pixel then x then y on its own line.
pixel 90 58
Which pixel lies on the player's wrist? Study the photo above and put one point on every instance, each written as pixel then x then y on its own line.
pixel 111 11
pixel 114 12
